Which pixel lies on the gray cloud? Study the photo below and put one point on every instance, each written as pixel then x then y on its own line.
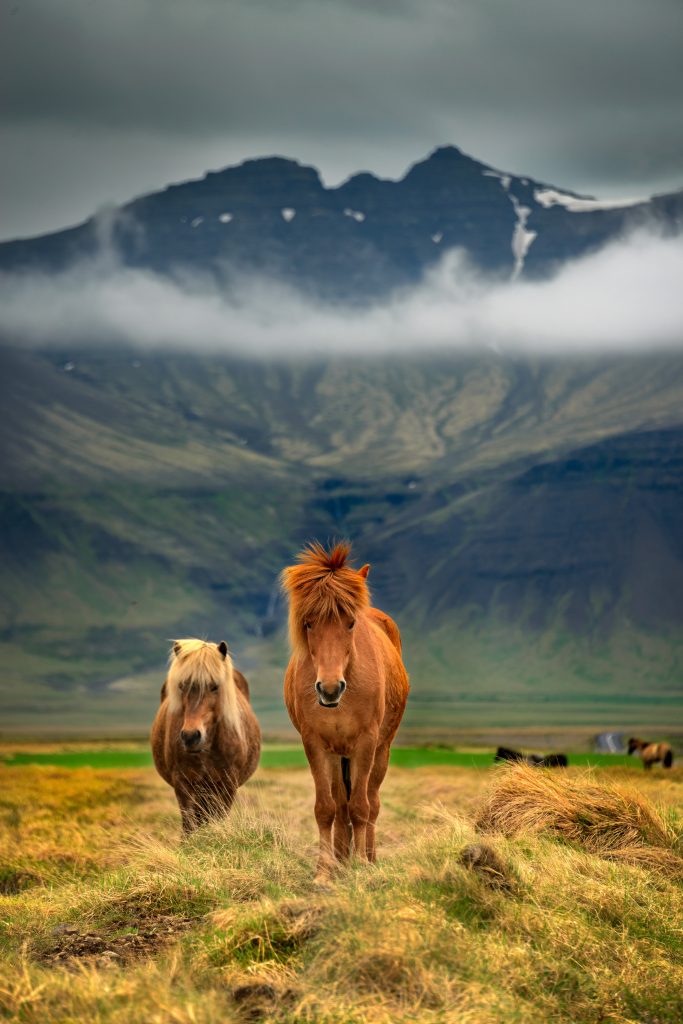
pixel 585 95
pixel 625 297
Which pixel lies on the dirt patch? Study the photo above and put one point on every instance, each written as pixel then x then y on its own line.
pixel 115 945
pixel 257 999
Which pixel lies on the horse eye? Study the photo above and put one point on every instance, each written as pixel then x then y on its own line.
pixel 213 687
pixel 307 625
pixel 352 624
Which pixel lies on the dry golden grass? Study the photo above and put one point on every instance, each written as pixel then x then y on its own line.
pixel 611 820
pixel 118 920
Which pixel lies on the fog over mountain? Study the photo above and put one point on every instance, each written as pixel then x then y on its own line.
pixel 625 297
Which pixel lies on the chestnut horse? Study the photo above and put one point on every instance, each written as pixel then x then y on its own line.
pixel 345 690
pixel 651 752
pixel 205 737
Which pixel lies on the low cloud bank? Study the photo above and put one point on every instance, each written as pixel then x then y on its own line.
pixel 628 296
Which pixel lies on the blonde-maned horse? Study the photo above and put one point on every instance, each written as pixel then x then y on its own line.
pixel 206 740
pixel 651 752
pixel 345 690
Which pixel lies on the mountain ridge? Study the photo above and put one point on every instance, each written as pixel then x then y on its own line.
pixel 356 241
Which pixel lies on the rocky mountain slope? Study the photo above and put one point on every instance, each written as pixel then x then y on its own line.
pixel 522 518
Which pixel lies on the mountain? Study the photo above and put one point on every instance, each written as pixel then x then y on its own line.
pixel 522 514
pixel 275 218
pixel 522 518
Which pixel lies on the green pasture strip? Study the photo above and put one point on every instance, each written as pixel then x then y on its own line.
pixel 293 757
pixel 82 758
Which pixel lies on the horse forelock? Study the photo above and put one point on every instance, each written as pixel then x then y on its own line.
pixel 198 664
pixel 322 587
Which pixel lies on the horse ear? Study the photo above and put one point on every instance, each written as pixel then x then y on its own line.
pixel 223 649
pixel 364 570
pixel 176 648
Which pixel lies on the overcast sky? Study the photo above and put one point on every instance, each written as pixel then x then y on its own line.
pixel 102 100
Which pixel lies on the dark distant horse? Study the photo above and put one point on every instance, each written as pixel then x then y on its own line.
pixel 205 738
pixel 345 690
pixel 555 761
pixel 651 752
pixel 549 761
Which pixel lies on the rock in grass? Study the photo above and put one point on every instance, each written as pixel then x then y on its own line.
pixel 488 864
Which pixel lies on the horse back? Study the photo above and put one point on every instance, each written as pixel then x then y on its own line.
pixel 386 623
pixel 385 633
pixel 241 683
pixel 158 739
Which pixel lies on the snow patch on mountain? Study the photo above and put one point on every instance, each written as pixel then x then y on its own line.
pixel 521 236
pixel 288 213
pixel 504 179
pixel 357 215
pixel 548 197
pixel 225 218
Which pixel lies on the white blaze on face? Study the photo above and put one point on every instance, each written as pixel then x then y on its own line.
pixel 288 213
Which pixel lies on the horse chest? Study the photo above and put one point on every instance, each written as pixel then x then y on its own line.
pixel 338 731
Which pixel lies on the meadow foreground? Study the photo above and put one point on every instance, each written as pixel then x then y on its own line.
pixel 106 915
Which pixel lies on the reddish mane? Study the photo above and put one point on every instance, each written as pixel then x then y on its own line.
pixel 321 587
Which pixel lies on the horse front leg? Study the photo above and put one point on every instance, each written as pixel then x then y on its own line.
pixel 342 822
pixel 188 812
pixel 320 763
pixel 362 761
pixel 379 770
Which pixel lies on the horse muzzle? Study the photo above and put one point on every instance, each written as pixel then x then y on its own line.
pixel 192 740
pixel 329 697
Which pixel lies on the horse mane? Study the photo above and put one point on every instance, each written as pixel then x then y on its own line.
pixel 321 587
pixel 199 663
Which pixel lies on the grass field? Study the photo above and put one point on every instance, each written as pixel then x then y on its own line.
pixel 106 915
pixel 282 756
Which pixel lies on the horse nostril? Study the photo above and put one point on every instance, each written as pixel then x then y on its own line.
pixel 342 686
pixel 319 686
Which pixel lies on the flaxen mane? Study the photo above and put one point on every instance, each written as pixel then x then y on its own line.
pixel 198 664
pixel 321 587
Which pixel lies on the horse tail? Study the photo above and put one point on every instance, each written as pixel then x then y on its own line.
pixel 668 758
pixel 346 776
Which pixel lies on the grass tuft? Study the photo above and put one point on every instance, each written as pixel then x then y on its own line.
pixel 607 819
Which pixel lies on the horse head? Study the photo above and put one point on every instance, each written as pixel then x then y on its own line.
pixel 326 595
pixel 330 645
pixel 199 691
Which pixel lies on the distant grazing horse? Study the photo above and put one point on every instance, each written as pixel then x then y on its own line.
pixel 652 752
pixel 555 761
pixel 205 737
pixel 345 690
pixel 549 761
pixel 505 754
